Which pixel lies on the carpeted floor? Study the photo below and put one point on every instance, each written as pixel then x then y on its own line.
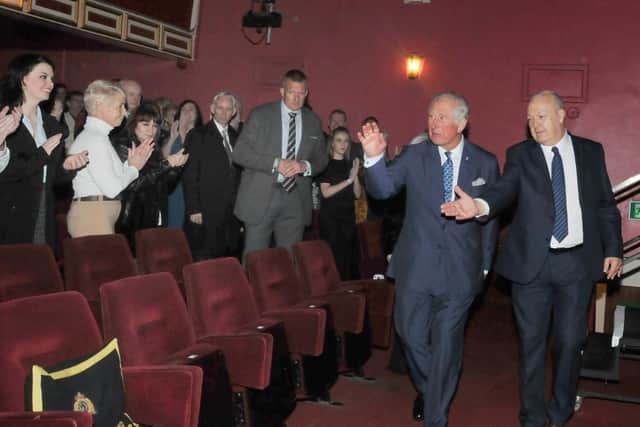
pixel 488 392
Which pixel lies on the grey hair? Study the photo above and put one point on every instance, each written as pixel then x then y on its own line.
pixel 99 91
pixel 553 94
pixel 225 94
pixel 462 107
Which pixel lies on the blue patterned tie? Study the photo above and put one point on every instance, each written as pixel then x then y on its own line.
pixel 561 226
pixel 447 177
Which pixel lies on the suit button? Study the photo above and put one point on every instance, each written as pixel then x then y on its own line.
pixel 546 239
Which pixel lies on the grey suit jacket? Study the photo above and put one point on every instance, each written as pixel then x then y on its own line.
pixel 258 145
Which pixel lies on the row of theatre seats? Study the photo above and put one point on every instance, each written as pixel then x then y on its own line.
pixel 204 343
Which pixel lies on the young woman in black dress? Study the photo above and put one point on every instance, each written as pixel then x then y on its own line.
pixel 339 186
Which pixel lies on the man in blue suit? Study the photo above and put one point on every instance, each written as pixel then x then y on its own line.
pixel 565 232
pixel 439 264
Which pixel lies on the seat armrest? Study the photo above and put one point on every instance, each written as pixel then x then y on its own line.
pixel 348 310
pixel 46 419
pixel 163 395
pixel 305 329
pixel 248 356
pixel 380 294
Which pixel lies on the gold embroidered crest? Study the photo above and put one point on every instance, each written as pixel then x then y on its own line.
pixel 83 404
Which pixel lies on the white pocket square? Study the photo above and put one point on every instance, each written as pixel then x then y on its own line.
pixel 314 137
pixel 478 182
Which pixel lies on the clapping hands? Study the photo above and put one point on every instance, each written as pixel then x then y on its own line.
pixel 138 155
pixel 355 168
pixel 178 159
pixel 9 122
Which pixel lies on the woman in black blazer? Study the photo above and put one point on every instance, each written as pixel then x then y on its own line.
pixel 36 158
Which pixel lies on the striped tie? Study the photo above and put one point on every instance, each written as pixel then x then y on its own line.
pixel 289 183
pixel 561 226
pixel 447 177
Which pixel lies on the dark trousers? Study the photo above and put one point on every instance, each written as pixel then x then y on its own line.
pixel 558 296
pixel 341 234
pixel 215 239
pixel 432 331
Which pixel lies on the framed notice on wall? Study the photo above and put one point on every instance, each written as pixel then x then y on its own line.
pixel 634 210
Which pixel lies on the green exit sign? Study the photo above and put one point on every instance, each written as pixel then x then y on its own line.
pixel 634 210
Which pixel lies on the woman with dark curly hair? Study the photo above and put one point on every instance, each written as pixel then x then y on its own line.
pixel 144 201
pixel 35 157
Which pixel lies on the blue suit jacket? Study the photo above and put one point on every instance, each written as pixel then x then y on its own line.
pixel 435 253
pixel 526 182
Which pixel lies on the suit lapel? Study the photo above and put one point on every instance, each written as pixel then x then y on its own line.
pixel 578 152
pixel 304 136
pixel 433 175
pixel 539 165
pixel 467 167
pixel 276 125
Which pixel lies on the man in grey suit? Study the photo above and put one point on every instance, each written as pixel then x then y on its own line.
pixel 280 148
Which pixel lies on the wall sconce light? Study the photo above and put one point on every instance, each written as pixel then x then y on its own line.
pixel 12 3
pixel 415 63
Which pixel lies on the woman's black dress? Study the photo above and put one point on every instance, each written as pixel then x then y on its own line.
pixel 338 220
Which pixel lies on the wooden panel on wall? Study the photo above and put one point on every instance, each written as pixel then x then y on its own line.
pixel 102 19
pixel 64 10
pixel 570 81
pixel 269 70
pixel 141 31
pixel 177 13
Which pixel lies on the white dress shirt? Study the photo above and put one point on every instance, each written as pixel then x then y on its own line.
pixel 224 131
pixel 105 174
pixel 5 156
pixel 38 134
pixel 574 210
pixel 284 113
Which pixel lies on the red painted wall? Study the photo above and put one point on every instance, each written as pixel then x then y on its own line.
pixel 353 52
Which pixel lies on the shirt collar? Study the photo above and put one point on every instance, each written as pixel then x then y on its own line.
pixel 563 144
pixel 456 153
pixel 98 125
pixel 287 110
pixel 39 135
pixel 221 128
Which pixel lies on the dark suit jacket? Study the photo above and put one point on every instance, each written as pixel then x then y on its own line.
pixel 210 182
pixel 526 181
pixel 432 252
pixel 21 184
pixel 258 145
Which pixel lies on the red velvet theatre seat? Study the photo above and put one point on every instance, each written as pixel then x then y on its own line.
pixel 50 329
pixel 220 302
pixel 163 249
pixel 93 260
pixel 275 286
pixel 27 270
pixel 373 260
pixel 150 319
pixel 318 272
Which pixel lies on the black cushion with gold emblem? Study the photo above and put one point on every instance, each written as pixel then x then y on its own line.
pixel 92 383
